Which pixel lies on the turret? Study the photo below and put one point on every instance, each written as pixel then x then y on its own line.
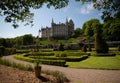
pixel 66 21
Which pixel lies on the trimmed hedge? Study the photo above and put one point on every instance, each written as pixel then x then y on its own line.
pixel 104 54
pixel 42 53
pixel 69 59
pixel 7 51
pixel 2 50
pixel 22 51
pixel 43 61
pixel 77 53
pixel 61 55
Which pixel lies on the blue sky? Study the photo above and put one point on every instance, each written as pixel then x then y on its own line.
pixel 42 17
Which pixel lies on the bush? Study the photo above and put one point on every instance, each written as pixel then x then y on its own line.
pixel 104 54
pixel 81 45
pixel 60 76
pixel 2 50
pixel 100 44
pixel 89 48
pixel 7 51
pixel 61 55
pixel 41 53
pixel 61 47
pixel 84 49
pixel 22 51
pixel 67 47
pixel 43 61
pixel 13 64
pixel 119 48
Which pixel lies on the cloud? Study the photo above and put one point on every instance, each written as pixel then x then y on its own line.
pixel 87 8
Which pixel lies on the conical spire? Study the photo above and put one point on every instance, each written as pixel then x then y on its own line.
pixel 66 20
pixel 52 20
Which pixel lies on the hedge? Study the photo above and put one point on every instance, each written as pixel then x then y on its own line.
pixel 42 53
pixel 43 61
pixel 104 54
pixel 22 51
pixel 7 51
pixel 69 59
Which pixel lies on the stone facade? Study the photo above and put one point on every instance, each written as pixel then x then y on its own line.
pixel 63 30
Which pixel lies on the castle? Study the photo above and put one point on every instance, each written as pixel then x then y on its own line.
pixel 62 30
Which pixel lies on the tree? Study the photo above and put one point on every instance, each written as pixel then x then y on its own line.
pixel 28 39
pixel 110 8
pixel 111 29
pixel 18 41
pixel 3 42
pixel 77 32
pixel 100 44
pixel 89 26
pixel 19 10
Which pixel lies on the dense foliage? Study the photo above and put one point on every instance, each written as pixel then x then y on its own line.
pixel 19 10
pixel 100 44
pixel 111 29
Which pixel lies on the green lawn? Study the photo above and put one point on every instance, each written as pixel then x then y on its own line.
pixel 97 63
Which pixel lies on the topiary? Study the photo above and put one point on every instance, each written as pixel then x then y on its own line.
pixel 84 48
pixel 89 48
pixel 61 47
pixel 100 44
pixel 119 48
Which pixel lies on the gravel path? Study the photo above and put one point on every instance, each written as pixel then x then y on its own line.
pixel 81 75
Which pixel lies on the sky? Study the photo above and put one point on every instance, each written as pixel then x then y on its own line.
pixel 43 17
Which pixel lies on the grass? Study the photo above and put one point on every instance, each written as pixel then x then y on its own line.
pixel 61 78
pixel 97 63
pixel 15 65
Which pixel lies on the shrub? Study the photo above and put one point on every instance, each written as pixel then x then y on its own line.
pixel 100 44
pixel 67 47
pixel 81 45
pixel 89 48
pixel 42 53
pixel 2 50
pixel 61 55
pixel 56 62
pixel 61 78
pixel 61 47
pixel 22 51
pixel 15 65
pixel 104 54
pixel 119 48
pixel 84 49
pixel 9 51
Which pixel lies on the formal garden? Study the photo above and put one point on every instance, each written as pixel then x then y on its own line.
pixel 73 58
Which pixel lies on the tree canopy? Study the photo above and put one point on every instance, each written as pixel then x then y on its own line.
pixel 90 27
pixel 110 8
pixel 111 29
pixel 19 10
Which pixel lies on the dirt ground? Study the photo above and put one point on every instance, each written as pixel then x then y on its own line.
pixel 13 75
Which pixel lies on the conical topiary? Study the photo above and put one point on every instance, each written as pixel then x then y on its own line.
pixel 100 44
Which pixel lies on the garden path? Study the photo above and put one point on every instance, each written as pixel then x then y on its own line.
pixel 80 75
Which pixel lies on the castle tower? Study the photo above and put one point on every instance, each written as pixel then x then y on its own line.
pixel 71 27
pixel 66 21
pixel 52 22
